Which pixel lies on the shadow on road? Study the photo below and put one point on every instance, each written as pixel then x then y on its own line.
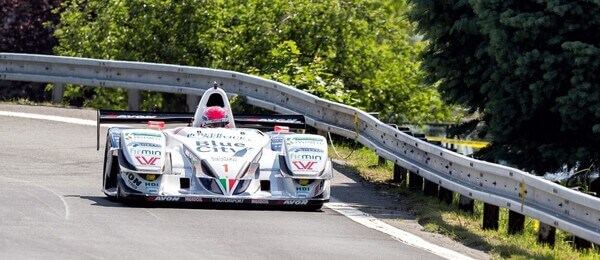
pixel 352 189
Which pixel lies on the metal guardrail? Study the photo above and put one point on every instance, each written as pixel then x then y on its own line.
pixel 555 205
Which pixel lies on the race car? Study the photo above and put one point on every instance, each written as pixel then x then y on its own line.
pixel 196 163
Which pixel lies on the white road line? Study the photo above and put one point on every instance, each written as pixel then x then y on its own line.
pixel 152 214
pixel 69 120
pixel 400 235
pixel 67 211
pixel 342 208
pixel 56 212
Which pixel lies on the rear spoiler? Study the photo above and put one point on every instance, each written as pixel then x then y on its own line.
pixel 294 122
pixel 262 122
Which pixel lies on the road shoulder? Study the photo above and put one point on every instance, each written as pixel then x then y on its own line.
pixel 374 199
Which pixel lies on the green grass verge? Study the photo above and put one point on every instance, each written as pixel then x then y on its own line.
pixel 23 101
pixel 464 227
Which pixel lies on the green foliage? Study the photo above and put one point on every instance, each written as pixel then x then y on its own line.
pixel 357 52
pixel 529 68
pixel 312 78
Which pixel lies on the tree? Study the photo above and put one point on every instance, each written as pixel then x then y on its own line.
pixel 23 31
pixel 352 51
pixel 528 68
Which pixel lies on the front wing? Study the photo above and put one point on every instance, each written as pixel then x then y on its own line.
pixel 124 192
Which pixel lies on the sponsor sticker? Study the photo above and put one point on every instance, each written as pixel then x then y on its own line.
pixel 166 198
pixel 260 201
pixel 314 139
pixel 313 157
pixel 224 159
pixel 302 189
pixel 275 120
pixel 305 166
pixel 218 147
pixel 304 140
pixel 140 145
pixel 147 161
pixel 142 136
pixel 132 116
pixel 226 200
pixel 307 150
pixel 295 202
pixel 133 181
pixel 145 152
pixel 302 192
pixel 233 136
pixel 193 199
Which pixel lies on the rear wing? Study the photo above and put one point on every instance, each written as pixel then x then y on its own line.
pixel 262 122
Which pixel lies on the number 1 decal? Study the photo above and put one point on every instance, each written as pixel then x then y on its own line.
pixel 226 167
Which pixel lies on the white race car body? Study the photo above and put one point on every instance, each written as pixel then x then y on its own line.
pixel 217 165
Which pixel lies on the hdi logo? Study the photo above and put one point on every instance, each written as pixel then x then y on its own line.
pixel 144 161
pixel 302 166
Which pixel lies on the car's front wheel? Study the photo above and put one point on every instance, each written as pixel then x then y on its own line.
pixel 109 176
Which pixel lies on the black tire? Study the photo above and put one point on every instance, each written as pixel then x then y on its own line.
pixel 110 181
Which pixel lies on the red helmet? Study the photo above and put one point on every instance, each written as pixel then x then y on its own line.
pixel 214 116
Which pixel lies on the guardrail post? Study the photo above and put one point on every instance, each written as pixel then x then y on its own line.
pixel 581 243
pixel 546 234
pixel 516 222
pixel 466 204
pixel 405 174
pixel 420 136
pixel 430 188
pixel 133 99
pixel 380 161
pixel 192 102
pixel 446 195
pixel 491 213
pixel 415 182
pixel 399 174
pixel 322 133
pixel 405 130
pixel 58 90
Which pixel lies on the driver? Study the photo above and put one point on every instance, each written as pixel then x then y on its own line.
pixel 214 117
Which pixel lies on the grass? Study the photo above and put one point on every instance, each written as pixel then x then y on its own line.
pixel 441 218
pixel 24 101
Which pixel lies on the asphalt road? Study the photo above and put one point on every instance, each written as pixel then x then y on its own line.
pixel 51 206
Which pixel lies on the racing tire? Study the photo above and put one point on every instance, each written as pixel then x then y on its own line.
pixel 110 181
